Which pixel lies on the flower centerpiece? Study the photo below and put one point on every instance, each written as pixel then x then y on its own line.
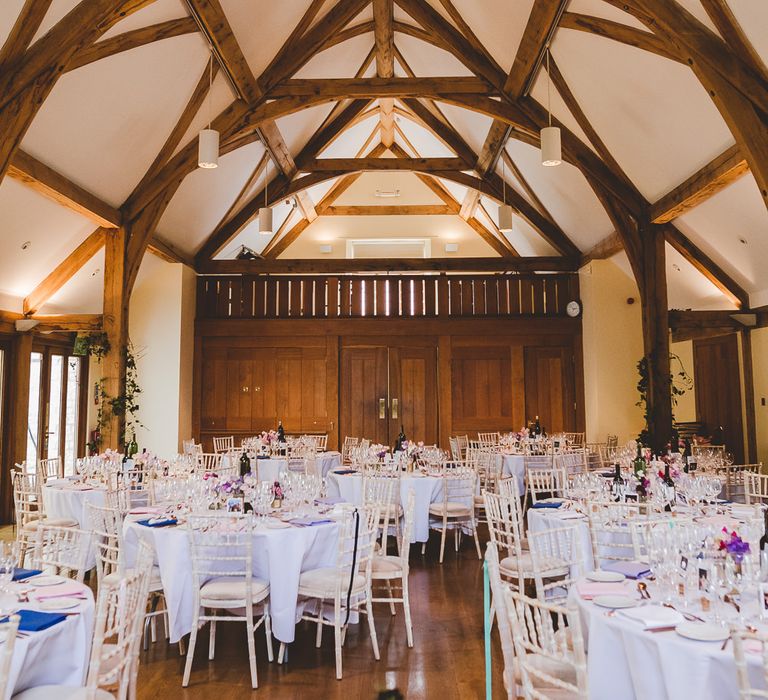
pixel 412 450
pixel 730 543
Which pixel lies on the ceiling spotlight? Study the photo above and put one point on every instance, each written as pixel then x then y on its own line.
pixel 25 245
pixel 265 213
pixel 246 254
pixel 208 139
pixel 551 149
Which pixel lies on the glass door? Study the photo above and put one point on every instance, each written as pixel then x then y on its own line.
pixel 55 399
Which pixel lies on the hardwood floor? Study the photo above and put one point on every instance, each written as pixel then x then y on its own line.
pixel 446 662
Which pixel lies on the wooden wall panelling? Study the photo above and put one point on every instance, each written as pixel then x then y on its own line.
pixel 363 382
pixel 549 387
pixel 264 410
pixel 296 304
pixel 288 382
pixel 333 297
pixel 239 388
pixel 444 384
pixel 332 385
pixel 271 295
pixel 413 382
pixel 526 297
pixel 213 395
pixel 517 386
pixel 749 394
pixel 283 300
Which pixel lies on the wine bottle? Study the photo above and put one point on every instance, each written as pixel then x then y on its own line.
pixel 687 452
pixel 669 488
pixel 638 465
pixel 133 448
pixel 537 427
pixel 125 458
pixel 280 431
pixel 245 463
pixel 400 440
pixel 617 488
pixel 764 538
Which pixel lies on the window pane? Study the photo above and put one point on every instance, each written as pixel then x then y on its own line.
pixel 71 414
pixel 33 416
pixel 54 406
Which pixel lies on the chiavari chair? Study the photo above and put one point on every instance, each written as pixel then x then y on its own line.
pixel 50 469
pixel 65 550
pixel 556 561
pixel 756 486
pixel 754 642
pixel 223 444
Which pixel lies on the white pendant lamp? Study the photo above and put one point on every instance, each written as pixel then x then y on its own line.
pixel 265 213
pixel 505 211
pixel 551 148
pixel 208 140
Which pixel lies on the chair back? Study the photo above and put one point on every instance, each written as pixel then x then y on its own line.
pixel 502 617
pixel 222 444
pixel 459 484
pixel 488 439
pixel 752 642
pixel 540 649
pixel 107 527
pixel 756 486
pixel 575 439
pixel 573 461
pixel 609 530
pixel 120 611
pixel 51 468
pixel 8 628
pixel 208 462
pixel 454 445
pixel 504 526
pixel 66 550
pixel 357 537
pixel 734 478
pixel 551 480
pixel 556 560
pixel 27 499
pixel 350 443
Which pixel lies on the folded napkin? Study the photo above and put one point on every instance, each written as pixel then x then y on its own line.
pixel 147 510
pixel 262 457
pixel 64 590
pixel 589 589
pixel 547 504
pixel 152 522
pixel 36 621
pixel 631 569
pixel 309 521
pixel 607 475
pixel 570 515
pixel 19 574
pixel 79 487
pixel 345 471
pixel 329 500
pixel 653 616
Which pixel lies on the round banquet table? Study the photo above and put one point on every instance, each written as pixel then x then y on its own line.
pixel 513 465
pixel 271 469
pixel 62 498
pixel 58 655
pixel 626 662
pixel 279 557
pixel 427 490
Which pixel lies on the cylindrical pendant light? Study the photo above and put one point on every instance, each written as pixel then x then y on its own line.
pixel 551 148
pixel 208 148
pixel 208 140
pixel 505 211
pixel 265 213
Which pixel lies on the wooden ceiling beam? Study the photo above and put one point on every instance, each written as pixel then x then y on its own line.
pixel 267 250
pixel 165 251
pixel 720 172
pixel 374 164
pixel 518 175
pixel 132 40
pixel 349 88
pixel 390 210
pixel 604 249
pixel 215 26
pixel 53 185
pixel 286 240
pixel 622 33
pixel 384 38
pixel 707 267
pixel 24 29
pixel 64 323
pixel 468 33
pixel 347 266
pixel 496 239
pixel 64 271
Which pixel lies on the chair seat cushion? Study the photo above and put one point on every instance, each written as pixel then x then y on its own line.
pixel 387 567
pixel 155 583
pixel 452 509
pixel 233 588
pixel 61 692
pixel 551 667
pixel 324 581
pixel 549 566
pixel 53 522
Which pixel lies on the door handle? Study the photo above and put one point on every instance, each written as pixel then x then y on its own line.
pixel 382 409
pixel 394 408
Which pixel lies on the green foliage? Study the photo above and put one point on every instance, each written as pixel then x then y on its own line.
pixel 679 380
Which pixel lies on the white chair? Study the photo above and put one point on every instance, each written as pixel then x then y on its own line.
pixel 222 444
pixel 346 587
pixel 382 490
pixel 393 570
pixel 457 509
pixel 756 487
pixel 208 462
pixel 499 608
pixel 575 439
pixel 539 476
pixel 488 439
pixel 506 533
pixel 571 462
pixel 610 532
pixel 65 550
pixel 114 659
pixel 8 630
pixel 222 573
pixel 556 561
pixel 29 514
pixel 347 447
pixel 734 477
pixel 551 664
pixel 758 644
pixel 51 468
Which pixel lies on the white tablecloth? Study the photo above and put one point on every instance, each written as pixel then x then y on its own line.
pixel 272 468
pixel 625 662
pixel 427 490
pixel 62 499
pixel 279 556
pixel 56 656
pixel 513 465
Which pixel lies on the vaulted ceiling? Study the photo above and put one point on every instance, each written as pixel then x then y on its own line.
pixel 334 102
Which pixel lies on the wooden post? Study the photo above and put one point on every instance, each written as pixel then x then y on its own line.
pixel 16 435
pixel 653 291
pixel 116 328
pixel 749 395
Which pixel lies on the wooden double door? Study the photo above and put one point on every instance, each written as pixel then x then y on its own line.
pixel 383 387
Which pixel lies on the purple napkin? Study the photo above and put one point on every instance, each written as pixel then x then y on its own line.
pixel 310 521
pixel 631 569
pixel 329 500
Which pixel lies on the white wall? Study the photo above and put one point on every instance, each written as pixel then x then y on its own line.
pixel 613 345
pixel 685 411
pixel 161 328
pixel 760 372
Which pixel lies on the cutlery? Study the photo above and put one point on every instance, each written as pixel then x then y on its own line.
pixel 688 616
pixel 643 588
pixel 670 628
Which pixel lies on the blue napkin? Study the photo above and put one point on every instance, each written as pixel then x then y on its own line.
pixel 161 523
pixel 345 471
pixel 310 521
pixel 546 504
pixel 36 621
pixel 19 574
pixel 262 457
pixel 329 500
pixel 631 569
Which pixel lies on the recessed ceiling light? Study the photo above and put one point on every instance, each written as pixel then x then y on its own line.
pixel 26 245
